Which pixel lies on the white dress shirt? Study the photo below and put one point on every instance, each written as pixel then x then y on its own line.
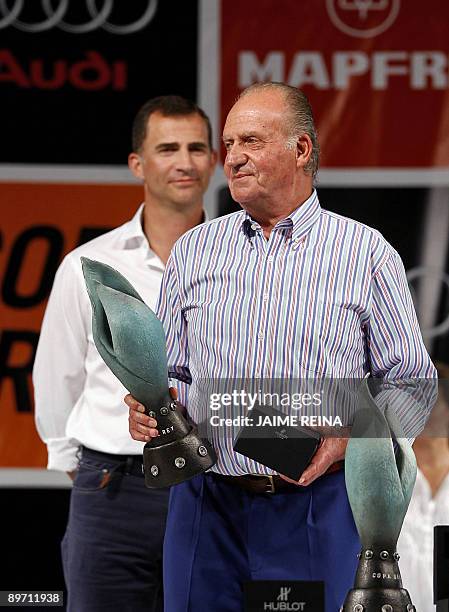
pixel 78 399
pixel 415 544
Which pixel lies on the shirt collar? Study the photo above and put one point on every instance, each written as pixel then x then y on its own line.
pixel 305 216
pixel 134 237
pixel 300 220
pixel 132 233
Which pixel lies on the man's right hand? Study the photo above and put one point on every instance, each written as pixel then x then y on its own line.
pixel 141 426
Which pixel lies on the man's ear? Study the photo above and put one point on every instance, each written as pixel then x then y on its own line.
pixel 303 150
pixel 135 165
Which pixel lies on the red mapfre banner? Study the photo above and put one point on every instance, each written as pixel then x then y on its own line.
pixel 375 71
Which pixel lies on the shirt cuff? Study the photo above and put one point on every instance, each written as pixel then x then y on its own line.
pixel 62 454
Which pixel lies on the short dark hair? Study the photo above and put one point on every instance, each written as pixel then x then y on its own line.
pixel 168 106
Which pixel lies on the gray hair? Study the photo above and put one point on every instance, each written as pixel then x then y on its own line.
pixel 301 118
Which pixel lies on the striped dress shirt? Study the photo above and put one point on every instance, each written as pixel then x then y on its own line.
pixel 324 296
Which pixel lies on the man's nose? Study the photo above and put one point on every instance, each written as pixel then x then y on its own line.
pixel 235 157
pixel 184 160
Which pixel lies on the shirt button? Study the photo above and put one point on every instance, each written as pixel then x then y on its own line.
pixel 254 226
pixel 270 258
pixel 261 335
pixel 265 297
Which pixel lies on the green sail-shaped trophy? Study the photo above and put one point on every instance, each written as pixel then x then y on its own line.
pixel 131 341
pixel 379 482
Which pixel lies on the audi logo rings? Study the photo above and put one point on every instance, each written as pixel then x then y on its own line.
pixel 55 17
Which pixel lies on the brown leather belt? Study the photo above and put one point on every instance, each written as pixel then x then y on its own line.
pixel 253 483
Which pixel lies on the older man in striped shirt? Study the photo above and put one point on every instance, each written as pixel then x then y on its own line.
pixel 281 290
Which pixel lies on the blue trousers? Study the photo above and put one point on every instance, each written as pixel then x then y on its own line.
pixel 112 548
pixel 219 536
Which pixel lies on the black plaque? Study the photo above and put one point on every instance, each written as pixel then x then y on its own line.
pixel 284 448
pixel 297 595
pixel 441 567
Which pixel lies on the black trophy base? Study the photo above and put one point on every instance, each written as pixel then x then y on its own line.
pixel 378 584
pixel 177 461
pixel 378 600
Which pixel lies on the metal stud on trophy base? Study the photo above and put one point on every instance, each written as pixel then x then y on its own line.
pixel 178 453
pixel 131 341
pixel 379 484
pixel 379 585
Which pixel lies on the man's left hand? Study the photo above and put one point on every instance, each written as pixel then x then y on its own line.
pixel 330 451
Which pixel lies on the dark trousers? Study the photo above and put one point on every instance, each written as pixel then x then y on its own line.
pixel 112 548
pixel 219 536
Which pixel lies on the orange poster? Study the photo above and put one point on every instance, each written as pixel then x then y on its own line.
pixel 40 223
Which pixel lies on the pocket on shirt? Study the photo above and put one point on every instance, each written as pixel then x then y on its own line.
pixel 336 349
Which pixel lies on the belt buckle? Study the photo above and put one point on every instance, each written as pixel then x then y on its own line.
pixel 270 488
